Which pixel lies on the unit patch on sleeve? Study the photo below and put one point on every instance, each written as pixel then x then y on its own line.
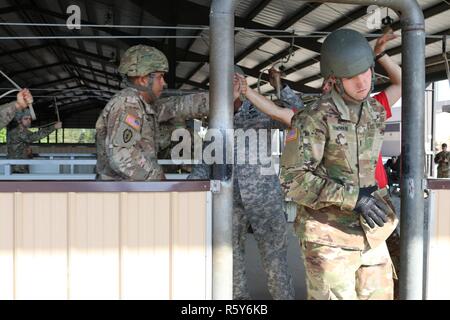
pixel 127 135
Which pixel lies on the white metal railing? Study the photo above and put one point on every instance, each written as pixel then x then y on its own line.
pixel 48 166
pixel 53 171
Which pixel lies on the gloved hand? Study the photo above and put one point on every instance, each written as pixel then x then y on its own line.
pixel 370 208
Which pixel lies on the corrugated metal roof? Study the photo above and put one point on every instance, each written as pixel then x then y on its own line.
pixel 244 7
pixel 323 16
pixel 277 11
pixel 99 57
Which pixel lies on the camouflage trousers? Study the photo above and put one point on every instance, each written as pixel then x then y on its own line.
pixel 334 273
pixel 270 231
pixel 443 173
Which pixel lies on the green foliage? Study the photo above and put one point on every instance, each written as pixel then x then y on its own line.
pixel 3 135
pixel 70 136
pixel 78 136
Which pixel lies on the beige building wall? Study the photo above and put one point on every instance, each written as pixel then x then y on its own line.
pixel 114 245
pixel 438 262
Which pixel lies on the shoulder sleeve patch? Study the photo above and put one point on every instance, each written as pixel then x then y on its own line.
pixel 292 135
pixel 131 99
pixel 133 121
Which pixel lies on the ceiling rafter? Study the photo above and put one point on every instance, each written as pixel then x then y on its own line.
pixel 250 16
pixel 428 13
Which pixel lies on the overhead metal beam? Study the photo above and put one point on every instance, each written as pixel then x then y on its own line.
pixel 75 79
pixel 428 13
pixel 298 42
pixel 22 50
pixel 181 54
pixel 105 73
pixel 390 52
pixel 251 15
pixel 256 9
pixel 303 11
pixel 196 14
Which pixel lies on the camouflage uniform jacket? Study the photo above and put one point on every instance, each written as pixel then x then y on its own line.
pixel 336 154
pixel 18 141
pixel 443 166
pixel 7 113
pixel 127 133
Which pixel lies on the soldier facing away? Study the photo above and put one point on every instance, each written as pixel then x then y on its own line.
pixel 8 111
pixel 343 217
pixel 257 203
pixel 128 130
pixel 19 139
pixel 442 159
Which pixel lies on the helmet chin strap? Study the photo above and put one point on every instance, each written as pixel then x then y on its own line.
pixel 343 93
pixel 147 89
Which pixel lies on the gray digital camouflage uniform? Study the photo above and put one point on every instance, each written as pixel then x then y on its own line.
pixel 258 202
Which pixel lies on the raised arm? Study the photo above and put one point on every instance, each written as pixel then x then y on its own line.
pixel 181 108
pixel 30 137
pixel 266 106
pixel 394 91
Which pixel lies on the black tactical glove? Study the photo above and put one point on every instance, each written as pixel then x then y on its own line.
pixel 371 209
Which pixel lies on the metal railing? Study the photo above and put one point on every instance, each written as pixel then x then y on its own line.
pixel 63 166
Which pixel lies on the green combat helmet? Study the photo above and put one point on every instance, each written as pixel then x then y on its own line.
pixel 345 53
pixel 142 60
pixel 20 114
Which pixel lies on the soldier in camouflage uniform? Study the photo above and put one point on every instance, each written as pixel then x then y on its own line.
pixel 19 139
pixel 8 111
pixel 257 203
pixel 329 166
pixel 128 129
pixel 443 161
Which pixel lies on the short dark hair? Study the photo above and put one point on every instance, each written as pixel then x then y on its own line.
pixel 444 145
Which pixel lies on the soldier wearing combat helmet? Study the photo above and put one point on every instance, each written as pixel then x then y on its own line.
pixel 19 138
pixel 128 128
pixel 329 162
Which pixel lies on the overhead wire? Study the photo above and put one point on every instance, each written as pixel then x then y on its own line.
pixel 246 32
pixel 288 33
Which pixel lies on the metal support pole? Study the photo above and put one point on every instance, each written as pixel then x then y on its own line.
pixel 433 126
pixel 221 81
pixel 413 142
pixel 172 54
pixel 413 154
